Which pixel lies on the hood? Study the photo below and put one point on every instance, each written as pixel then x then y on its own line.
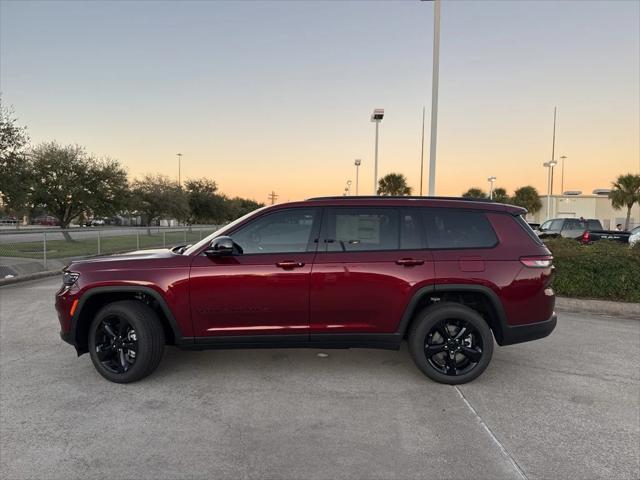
pixel 155 254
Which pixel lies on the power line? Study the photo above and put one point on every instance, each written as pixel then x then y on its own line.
pixel 273 197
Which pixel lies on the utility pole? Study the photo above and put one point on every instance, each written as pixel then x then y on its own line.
pixel 273 197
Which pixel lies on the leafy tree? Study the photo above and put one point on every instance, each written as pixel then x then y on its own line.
pixel 625 193
pixel 474 192
pixel 527 197
pixel 68 183
pixel 205 204
pixel 15 174
pixel 157 196
pixel 238 207
pixel 393 184
pixel 500 195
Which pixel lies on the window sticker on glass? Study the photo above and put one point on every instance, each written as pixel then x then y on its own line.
pixel 358 228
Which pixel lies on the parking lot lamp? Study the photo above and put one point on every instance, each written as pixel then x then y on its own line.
pixel 491 180
pixel 357 163
pixel 376 117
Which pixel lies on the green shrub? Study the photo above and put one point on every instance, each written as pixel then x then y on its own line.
pixel 604 270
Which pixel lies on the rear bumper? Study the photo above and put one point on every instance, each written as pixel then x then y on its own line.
pixel 526 333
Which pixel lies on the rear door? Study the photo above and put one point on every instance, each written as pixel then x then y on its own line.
pixel 369 262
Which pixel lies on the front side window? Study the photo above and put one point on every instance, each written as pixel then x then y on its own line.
pixel 452 228
pixel 280 232
pixel 556 225
pixel 362 229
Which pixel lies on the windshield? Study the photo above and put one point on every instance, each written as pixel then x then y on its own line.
pixel 206 240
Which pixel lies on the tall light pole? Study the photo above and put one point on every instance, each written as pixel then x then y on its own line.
pixel 376 117
pixel 348 189
pixel 550 166
pixel 357 163
pixel 422 152
pixel 563 158
pixel 179 155
pixel 434 97
pixel 491 180
pixel 553 147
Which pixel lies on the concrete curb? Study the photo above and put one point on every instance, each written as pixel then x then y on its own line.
pixel 605 307
pixel 30 276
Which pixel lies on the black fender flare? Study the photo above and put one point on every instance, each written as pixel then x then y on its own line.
pixel 499 327
pixel 92 292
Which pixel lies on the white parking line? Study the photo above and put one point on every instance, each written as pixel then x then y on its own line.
pixel 493 437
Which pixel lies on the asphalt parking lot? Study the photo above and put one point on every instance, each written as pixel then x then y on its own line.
pixel 564 407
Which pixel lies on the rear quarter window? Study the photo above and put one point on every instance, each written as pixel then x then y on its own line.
pixel 453 228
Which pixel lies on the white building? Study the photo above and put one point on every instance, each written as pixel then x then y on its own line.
pixel 596 205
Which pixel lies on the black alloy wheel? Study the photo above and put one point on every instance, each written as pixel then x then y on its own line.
pixel 126 341
pixel 116 344
pixel 450 342
pixel 453 347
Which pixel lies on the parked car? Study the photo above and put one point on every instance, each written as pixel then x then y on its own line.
pixel 446 275
pixel 634 236
pixel 583 230
pixel 8 220
pixel 95 222
pixel 47 220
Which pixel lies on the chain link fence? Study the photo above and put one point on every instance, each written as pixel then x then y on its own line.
pixel 24 251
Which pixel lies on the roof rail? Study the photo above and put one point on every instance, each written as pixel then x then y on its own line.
pixel 398 197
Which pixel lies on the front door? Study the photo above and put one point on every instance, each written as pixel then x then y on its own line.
pixel 265 289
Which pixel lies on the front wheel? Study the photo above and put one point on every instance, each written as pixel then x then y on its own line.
pixel 126 341
pixel 451 343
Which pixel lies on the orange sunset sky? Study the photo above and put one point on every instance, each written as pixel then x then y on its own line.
pixel 265 96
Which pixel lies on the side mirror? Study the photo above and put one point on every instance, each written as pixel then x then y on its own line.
pixel 220 246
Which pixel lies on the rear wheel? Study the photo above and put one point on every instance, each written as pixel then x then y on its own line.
pixel 126 341
pixel 451 343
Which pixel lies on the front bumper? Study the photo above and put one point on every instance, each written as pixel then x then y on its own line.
pixel 531 331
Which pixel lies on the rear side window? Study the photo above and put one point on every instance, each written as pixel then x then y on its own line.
pixel 453 228
pixel 362 229
pixel 527 228
pixel 594 225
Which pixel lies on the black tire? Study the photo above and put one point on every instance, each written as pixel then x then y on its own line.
pixel 126 341
pixel 460 355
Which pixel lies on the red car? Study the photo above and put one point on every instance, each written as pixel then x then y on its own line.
pixel 447 275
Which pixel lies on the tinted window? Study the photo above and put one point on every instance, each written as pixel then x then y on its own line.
pixel 362 229
pixel 411 231
pixel 280 232
pixel 556 225
pixel 594 225
pixel 449 228
pixel 527 228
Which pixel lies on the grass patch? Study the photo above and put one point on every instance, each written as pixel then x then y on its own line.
pixel 88 246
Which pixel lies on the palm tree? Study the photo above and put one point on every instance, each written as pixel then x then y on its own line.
pixel 625 193
pixel 500 195
pixel 474 192
pixel 527 197
pixel 393 184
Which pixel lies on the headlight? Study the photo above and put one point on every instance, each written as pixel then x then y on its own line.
pixel 69 278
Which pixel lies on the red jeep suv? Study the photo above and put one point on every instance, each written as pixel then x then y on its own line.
pixel 447 275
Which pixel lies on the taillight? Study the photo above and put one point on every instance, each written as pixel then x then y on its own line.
pixel 543 261
pixel 585 237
